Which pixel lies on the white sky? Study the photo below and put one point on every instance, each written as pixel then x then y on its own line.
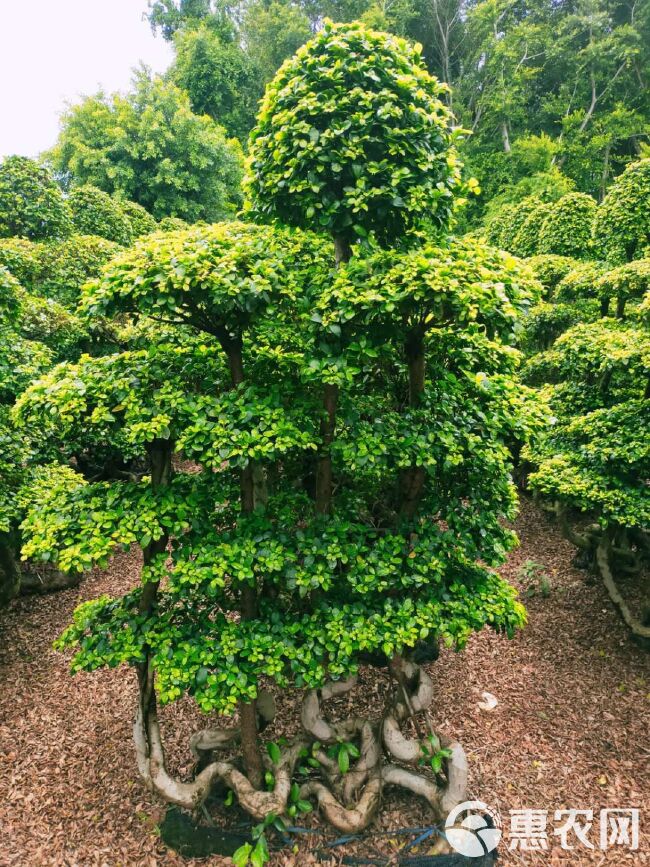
pixel 52 52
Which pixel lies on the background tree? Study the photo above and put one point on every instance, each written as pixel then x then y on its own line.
pixel 150 147
pixel 221 79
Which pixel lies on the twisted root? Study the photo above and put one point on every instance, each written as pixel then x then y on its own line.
pixel 416 696
pixel 348 801
pixel 349 821
pixel 207 740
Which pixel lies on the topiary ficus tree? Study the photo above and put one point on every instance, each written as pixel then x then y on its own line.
pixel 31 203
pixel 566 230
pixel 94 212
pixel 350 428
pixel 621 228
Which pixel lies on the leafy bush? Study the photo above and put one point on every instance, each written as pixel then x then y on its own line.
pixel 22 258
pixel 566 230
pixel 31 203
pixel 550 270
pixel 96 213
pixel 141 221
pixel 172 224
pixel 526 238
pixel 622 222
pixel 66 266
pixel 518 217
pixel 630 281
pixel 581 282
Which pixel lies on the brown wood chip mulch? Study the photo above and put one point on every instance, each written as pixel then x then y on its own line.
pixel 570 730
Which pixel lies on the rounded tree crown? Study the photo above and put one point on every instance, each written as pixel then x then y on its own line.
pixel 352 138
pixel 94 212
pixel 566 230
pixel 31 202
pixel 622 223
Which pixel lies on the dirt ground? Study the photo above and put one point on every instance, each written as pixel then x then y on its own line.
pixel 570 729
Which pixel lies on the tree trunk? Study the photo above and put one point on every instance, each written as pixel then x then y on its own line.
pixel 248 710
pixel 160 458
pixel 323 495
pixel 324 469
pixel 248 594
pixel 505 135
pixel 9 572
pixel 412 479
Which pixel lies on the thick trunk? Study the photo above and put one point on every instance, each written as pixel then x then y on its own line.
pixel 248 594
pixel 9 572
pixel 160 459
pixel 342 250
pixel 412 479
pixel 323 495
pixel 324 469
pixel 248 710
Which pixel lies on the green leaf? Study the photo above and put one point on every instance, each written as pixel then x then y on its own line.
pixel 260 855
pixel 241 856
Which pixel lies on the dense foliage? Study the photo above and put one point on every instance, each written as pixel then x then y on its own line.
pixel 31 203
pixel 353 137
pixel 264 287
pixel 566 230
pixel 96 213
pixel 152 149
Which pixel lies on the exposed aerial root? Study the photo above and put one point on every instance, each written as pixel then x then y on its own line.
pixel 349 821
pixel 393 775
pixel 207 740
pixel 602 558
pixel 457 772
pixel 414 696
pixel 349 799
pixel 312 720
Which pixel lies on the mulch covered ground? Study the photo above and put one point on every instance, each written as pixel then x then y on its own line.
pixel 570 730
